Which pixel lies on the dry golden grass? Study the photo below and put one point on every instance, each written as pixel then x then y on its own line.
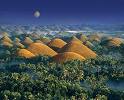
pixel 67 56
pixel 6 39
pixel 27 41
pixel 79 48
pixel 7 44
pixel 56 44
pixel 41 49
pixel 25 53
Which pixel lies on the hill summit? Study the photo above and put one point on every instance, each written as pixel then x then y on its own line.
pixel 79 48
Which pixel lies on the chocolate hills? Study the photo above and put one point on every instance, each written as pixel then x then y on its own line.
pixel 6 44
pixel 27 41
pixel 17 40
pixel 112 42
pixel 67 56
pixel 56 44
pixel 45 40
pixel 25 53
pixel 20 45
pixel 115 42
pixel 41 49
pixel 94 37
pixel 82 37
pixel 6 39
pixel 74 38
pixel 79 48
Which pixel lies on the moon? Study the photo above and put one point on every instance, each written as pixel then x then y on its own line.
pixel 37 14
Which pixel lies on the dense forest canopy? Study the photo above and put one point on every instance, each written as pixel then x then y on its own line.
pixel 42 78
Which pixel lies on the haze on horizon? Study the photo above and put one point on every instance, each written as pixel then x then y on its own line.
pixel 62 12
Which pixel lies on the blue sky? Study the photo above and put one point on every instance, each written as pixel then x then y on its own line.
pixel 62 11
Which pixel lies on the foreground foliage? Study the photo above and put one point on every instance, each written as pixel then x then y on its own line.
pixel 42 79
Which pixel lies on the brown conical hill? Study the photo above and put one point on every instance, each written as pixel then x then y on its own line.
pixel 6 39
pixel 94 37
pixel 74 38
pixel 45 40
pixel 115 42
pixel 5 34
pixel 17 39
pixel 41 49
pixel 79 48
pixel 67 56
pixel 35 35
pixel 7 44
pixel 56 44
pixel 27 41
pixel 25 53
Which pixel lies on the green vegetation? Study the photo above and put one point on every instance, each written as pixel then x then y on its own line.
pixel 40 78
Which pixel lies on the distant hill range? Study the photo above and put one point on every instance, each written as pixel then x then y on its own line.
pixel 20 29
